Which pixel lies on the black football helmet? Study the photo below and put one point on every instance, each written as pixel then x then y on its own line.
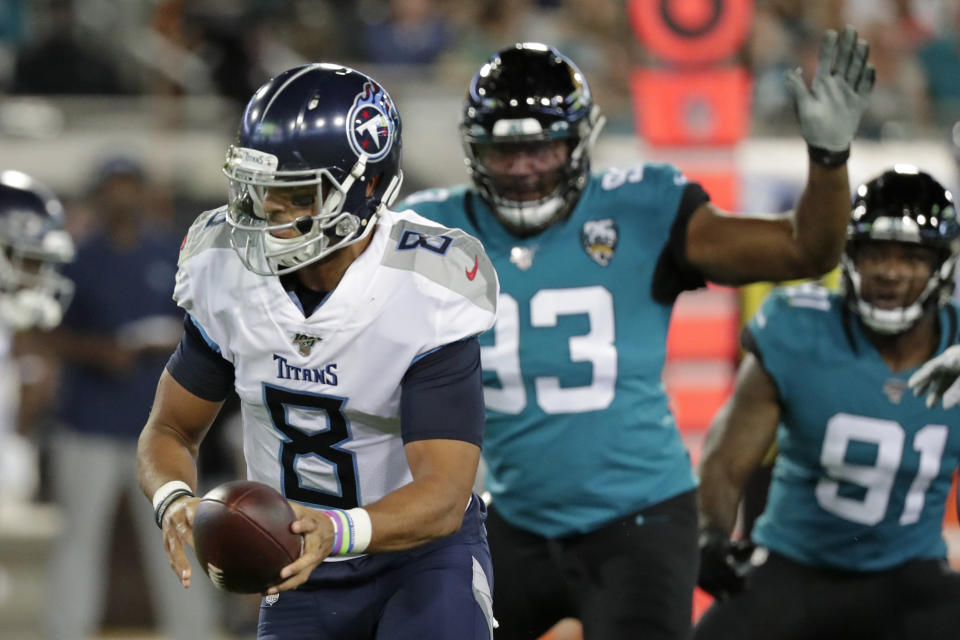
pixel 530 92
pixel 902 204
pixel 33 245
pixel 320 125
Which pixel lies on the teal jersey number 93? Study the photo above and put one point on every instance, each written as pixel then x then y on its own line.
pixel 578 431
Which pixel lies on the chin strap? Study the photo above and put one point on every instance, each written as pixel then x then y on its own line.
pixel 529 218
pixel 391 192
pixel 888 321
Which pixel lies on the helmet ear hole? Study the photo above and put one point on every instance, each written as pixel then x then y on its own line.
pixel 372 184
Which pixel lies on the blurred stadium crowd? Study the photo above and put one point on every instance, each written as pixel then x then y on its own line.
pixel 190 65
pixel 175 66
pixel 203 47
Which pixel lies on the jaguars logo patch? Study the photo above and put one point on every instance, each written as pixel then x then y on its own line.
pixel 370 130
pixel 599 239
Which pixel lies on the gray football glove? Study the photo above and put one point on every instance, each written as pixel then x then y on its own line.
pixel 939 378
pixel 830 110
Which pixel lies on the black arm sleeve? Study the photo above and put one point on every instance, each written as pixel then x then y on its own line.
pixel 442 395
pixel 198 366
pixel 673 274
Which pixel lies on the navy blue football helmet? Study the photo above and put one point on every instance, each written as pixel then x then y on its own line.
pixel 903 204
pixel 530 93
pixel 33 245
pixel 320 125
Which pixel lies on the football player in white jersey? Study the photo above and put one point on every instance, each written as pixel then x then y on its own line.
pixel 33 294
pixel 349 333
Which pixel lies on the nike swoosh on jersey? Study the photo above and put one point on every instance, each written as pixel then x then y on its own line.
pixel 472 273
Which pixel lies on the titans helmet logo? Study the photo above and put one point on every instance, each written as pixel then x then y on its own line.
pixel 370 130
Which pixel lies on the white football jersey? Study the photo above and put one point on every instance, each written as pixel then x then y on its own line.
pixel 320 396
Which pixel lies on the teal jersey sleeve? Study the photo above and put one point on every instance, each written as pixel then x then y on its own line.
pixel 442 205
pixel 789 327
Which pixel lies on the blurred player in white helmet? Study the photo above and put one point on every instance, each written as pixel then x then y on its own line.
pixel 33 245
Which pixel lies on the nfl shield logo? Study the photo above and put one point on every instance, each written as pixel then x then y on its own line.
pixel 894 390
pixel 522 257
pixel 599 240
pixel 305 342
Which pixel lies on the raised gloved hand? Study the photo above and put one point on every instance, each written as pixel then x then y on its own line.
pixel 830 110
pixel 724 563
pixel 939 378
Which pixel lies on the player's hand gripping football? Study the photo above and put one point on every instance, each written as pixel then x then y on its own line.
pixel 317 531
pixel 177 528
pixel 939 378
pixel 830 109
pixel 724 564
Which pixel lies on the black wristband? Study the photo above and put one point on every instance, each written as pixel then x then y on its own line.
pixel 169 500
pixel 827 158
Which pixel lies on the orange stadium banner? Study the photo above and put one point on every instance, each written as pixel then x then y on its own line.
pixel 703 107
pixel 691 31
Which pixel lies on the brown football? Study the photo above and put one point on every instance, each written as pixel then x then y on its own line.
pixel 242 536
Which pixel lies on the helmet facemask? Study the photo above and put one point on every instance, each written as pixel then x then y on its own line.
pixel 269 248
pixel 32 292
pixel 890 321
pixel 529 203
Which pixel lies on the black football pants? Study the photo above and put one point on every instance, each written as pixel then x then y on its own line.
pixel 785 600
pixel 632 579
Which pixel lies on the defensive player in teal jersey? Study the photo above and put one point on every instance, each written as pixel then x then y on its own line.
pixel 850 542
pixel 593 512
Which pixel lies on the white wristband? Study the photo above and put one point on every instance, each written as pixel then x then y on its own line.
pixel 166 496
pixel 351 530
pixel 166 489
pixel 362 529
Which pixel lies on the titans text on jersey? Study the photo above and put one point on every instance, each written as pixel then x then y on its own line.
pixel 325 375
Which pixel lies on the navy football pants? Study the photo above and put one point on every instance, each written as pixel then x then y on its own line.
pixel 440 591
